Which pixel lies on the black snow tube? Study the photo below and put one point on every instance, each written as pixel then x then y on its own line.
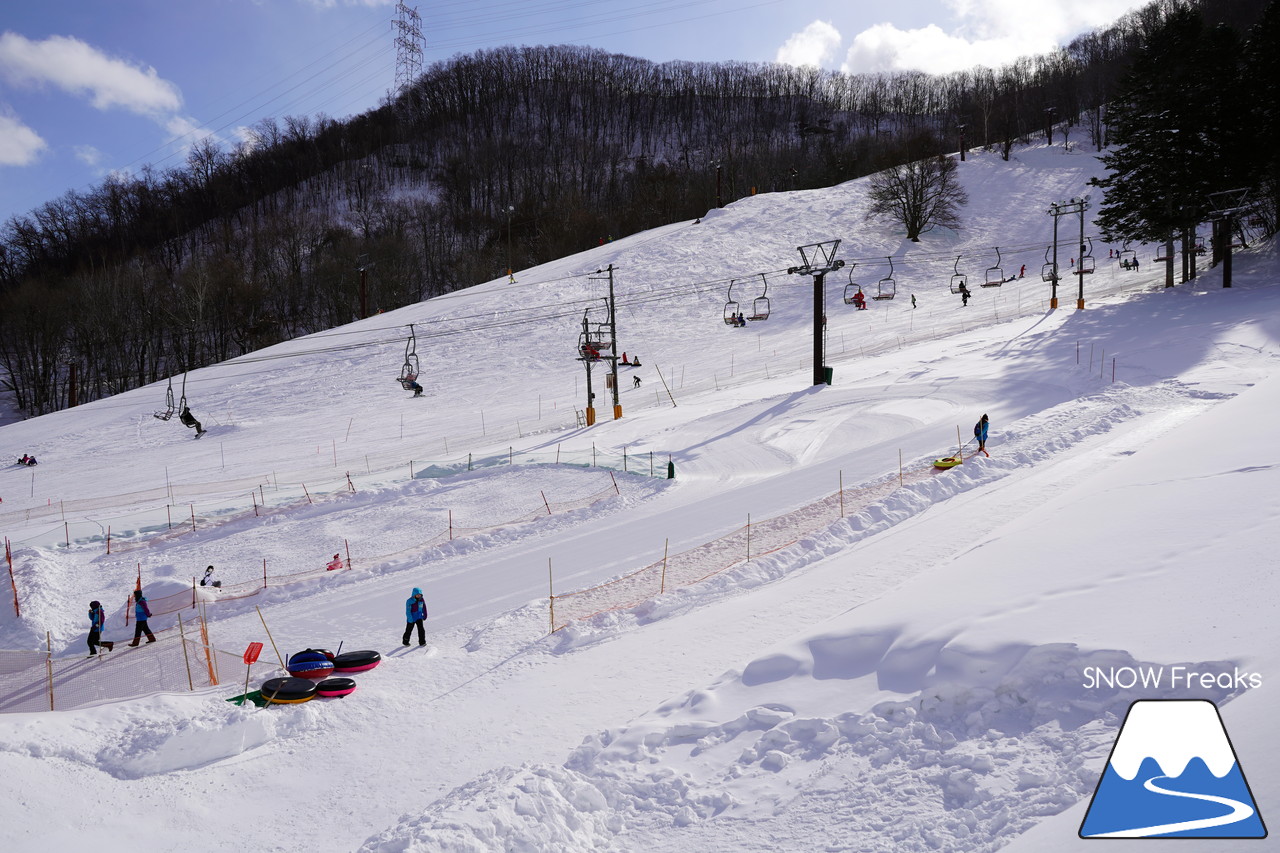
pixel 288 691
pixel 356 661
pixel 336 687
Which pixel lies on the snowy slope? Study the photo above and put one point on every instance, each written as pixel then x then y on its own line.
pixel 911 677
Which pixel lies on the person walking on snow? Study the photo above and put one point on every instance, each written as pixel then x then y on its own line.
pixel 141 613
pixel 980 433
pixel 97 619
pixel 415 613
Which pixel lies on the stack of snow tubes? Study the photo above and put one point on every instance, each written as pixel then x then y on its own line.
pixel 318 664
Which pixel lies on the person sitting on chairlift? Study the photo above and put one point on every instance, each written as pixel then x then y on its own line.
pixel 635 362
pixel 860 301
pixel 414 387
pixel 189 420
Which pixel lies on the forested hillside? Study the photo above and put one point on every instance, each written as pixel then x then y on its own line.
pixel 493 161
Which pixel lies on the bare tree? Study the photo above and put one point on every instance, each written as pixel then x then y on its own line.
pixel 921 195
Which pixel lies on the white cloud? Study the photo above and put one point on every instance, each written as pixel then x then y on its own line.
pixel 19 144
pixel 987 32
pixel 815 45
pixel 82 70
pixel 88 155
pixel 884 47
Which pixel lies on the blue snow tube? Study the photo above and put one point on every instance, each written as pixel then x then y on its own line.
pixel 309 664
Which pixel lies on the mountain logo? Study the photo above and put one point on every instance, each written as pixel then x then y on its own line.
pixel 1173 773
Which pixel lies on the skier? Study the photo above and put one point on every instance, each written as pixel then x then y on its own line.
pixel 335 564
pixel 97 619
pixel 141 613
pixel 1022 271
pixel 636 381
pixel 415 613
pixel 980 433
pixel 189 420
pixel 913 300
pixel 964 295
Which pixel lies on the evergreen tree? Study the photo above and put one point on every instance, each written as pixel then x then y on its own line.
pixel 1175 131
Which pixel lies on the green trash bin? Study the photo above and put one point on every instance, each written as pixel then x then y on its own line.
pixel 827 374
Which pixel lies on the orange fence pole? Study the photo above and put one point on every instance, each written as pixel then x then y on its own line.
pixel 8 557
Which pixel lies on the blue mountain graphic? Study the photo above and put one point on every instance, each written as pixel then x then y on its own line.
pixel 1120 805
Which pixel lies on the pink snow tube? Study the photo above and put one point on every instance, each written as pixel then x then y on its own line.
pixel 336 687
pixel 356 661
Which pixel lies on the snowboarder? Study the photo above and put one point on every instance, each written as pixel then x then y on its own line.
pixel 141 613
pixel 980 433
pixel 97 619
pixel 189 420
pixel 415 613
pixel 208 580
pixel 335 564
pixel 964 295
pixel 636 381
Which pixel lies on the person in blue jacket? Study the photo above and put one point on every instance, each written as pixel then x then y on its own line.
pixel 97 619
pixel 980 433
pixel 141 613
pixel 415 613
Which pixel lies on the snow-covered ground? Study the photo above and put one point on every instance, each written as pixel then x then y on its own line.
pixel 920 675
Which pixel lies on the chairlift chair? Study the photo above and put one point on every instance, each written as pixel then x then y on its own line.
pixel 1199 246
pixel 1127 257
pixel 760 306
pixel 887 288
pixel 1162 254
pixel 411 368
pixel 995 274
pixel 168 396
pixel 1047 272
pixel 730 307
pixel 1087 263
pixel 852 289
pixel 958 280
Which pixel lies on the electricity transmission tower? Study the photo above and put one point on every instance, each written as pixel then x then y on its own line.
pixel 409 42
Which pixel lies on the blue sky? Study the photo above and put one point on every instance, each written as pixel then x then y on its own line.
pixel 89 87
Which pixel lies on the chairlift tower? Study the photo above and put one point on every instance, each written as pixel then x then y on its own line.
pixel 818 260
pixel 1065 208
pixel 1226 205
pixel 409 43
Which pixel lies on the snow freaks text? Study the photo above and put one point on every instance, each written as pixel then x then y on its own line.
pixel 1171 677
